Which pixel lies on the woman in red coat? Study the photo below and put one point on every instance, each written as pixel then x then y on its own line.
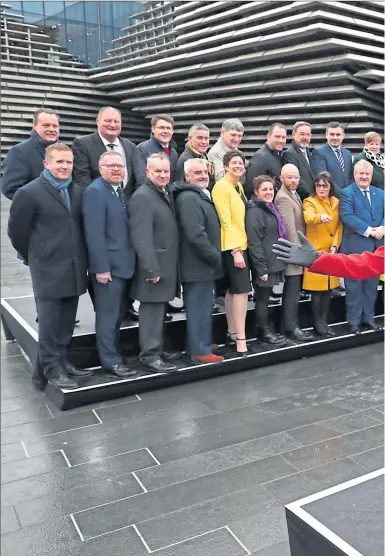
pixel 357 267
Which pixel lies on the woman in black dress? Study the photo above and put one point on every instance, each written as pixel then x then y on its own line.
pixel 264 225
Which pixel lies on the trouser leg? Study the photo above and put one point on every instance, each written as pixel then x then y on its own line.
pixel 318 310
pixel 354 301
pixel 198 299
pixel 151 324
pixel 69 307
pixel 369 299
pixel 49 336
pixel 261 296
pixel 290 300
pixel 108 300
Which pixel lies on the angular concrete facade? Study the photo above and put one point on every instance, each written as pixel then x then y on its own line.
pixel 261 61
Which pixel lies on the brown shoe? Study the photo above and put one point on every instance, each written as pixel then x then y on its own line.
pixel 209 358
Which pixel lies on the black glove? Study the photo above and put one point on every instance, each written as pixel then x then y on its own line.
pixel 291 253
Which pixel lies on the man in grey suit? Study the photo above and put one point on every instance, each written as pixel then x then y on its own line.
pixel 334 158
pixel 298 153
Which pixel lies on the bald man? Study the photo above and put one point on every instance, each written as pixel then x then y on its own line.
pixel 289 205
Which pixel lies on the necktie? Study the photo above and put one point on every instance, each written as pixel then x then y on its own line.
pixel 340 158
pixel 121 197
pixel 299 201
pixel 305 155
pixel 167 151
pixel 367 193
pixel 111 146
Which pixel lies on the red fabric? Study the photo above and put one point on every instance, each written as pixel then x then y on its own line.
pixel 357 267
pixel 167 151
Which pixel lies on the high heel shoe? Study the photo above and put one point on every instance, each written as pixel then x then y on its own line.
pixel 242 353
pixel 229 341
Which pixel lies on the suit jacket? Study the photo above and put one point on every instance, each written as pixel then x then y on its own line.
pixel 50 238
pixel 107 233
pixel 154 235
pixel 23 164
pixel 357 214
pixel 325 159
pixel 146 149
pixel 294 155
pixel 87 151
pixel 291 211
pixel 266 162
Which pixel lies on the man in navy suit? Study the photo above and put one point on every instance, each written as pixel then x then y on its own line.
pixel 111 257
pixel 362 212
pixel 334 158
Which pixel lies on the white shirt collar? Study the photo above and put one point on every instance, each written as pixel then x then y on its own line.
pixel 105 142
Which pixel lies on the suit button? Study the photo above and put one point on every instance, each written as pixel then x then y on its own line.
pixel 331 235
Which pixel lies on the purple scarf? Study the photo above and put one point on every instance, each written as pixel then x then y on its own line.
pixel 281 224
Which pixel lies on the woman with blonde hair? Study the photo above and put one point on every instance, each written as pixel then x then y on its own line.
pixel 372 153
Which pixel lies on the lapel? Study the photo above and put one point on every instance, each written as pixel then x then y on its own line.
pixel 303 158
pixel 336 163
pixel 165 198
pixel 112 196
pixel 55 194
pixel 363 198
pixel 99 145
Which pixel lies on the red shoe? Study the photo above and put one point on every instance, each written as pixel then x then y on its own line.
pixel 210 358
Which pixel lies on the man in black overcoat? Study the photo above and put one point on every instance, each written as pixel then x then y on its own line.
pixel 299 154
pixel 154 236
pixel 51 241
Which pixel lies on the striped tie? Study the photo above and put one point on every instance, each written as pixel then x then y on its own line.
pixel 340 158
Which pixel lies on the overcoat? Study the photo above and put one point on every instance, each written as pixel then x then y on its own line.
pixel 50 238
pixel 154 236
pixel 290 208
pixel 322 236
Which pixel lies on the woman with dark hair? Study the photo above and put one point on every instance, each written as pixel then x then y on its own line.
pixel 324 231
pixel 264 225
pixel 230 202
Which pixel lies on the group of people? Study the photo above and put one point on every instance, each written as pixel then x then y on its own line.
pixel 140 223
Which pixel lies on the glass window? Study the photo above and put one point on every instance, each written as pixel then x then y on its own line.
pixel 76 39
pixel 122 12
pixel 105 13
pixel 54 8
pixel 55 27
pixel 34 7
pixel 75 12
pixel 91 12
pixel 33 18
pixel 16 6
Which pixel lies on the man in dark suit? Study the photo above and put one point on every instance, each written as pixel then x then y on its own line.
pixel 89 148
pixel 362 212
pixel 298 153
pixel 162 129
pixel 334 158
pixel 24 162
pixel 111 258
pixel 51 241
pixel 154 235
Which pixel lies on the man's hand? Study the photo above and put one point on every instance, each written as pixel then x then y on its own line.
pixel 377 233
pixel 103 277
pixel 291 253
pixel 156 279
pixel 264 277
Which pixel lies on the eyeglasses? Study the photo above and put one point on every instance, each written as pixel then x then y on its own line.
pixel 322 185
pixel 113 166
pixel 164 128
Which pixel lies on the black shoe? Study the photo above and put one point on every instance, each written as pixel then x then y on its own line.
pixel 229 341
pixel 354 329
pixel 63 381
pixel 274 295
pixel 175 309
pixel 167 317
pixel 273 300
pixel 299 335
pixel 171 356
pixel 77 322
pixel 159 366
pixel 132 314
pixel 371 326
pixel 304 296
pixel 216 310
pixel 70 370
pixel 337 292
pixel 268 337
pixel 324 333
pixel 120 371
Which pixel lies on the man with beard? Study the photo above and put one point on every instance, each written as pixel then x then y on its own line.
pixel 298 153
pixel 198 143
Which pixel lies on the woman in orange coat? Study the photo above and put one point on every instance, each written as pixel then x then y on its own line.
pixel 324 231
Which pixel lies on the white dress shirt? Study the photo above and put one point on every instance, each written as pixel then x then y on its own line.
pixel 118 148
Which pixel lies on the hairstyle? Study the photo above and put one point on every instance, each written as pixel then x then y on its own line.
pixel 232 154
pixel 371 136
pixel 362 163
pixel 299 124
pixel 104 108
pixel 156 156
pixel 259 180
pixel 108 153
pixel 191 161
pixel 56 147
pixel 273 126
pixel 43 110
pixel 333 125
pixel 233 124
pixel 197 127
pixel 324 176
pixel 155 119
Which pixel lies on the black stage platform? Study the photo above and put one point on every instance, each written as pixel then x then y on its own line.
pixel 347 519
pixel 18 317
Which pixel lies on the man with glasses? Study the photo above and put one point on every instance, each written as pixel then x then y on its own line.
pixel 162 129
pixel 111 258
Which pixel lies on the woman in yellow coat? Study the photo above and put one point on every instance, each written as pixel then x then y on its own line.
pixel 324 231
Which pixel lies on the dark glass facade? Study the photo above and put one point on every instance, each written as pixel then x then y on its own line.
pixel 85 29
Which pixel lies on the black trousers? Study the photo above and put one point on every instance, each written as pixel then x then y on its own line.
pixel 110 302
pixel 151 325
pixel 261 297
pixel 290 300
pixel 56 325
